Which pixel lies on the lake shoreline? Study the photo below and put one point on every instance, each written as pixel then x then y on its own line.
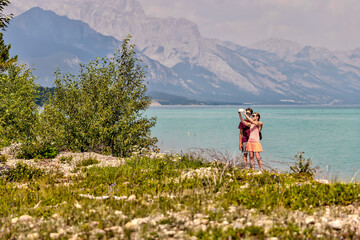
pixel 171 197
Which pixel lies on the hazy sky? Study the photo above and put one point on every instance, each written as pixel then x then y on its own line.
pixel 334 24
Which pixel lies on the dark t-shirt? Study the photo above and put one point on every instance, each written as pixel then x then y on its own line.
pixel 245 130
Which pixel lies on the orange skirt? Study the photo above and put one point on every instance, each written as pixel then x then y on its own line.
pixel 254 147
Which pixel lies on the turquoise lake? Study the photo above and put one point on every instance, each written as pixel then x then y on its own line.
pixel 329 135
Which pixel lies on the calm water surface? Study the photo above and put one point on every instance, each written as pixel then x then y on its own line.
pixel 330 136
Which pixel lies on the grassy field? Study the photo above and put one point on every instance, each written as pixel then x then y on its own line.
pixel 169 197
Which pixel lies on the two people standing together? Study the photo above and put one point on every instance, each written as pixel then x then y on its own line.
pixel 249 138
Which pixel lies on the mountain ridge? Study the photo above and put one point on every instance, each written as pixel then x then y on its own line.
pixel 184 62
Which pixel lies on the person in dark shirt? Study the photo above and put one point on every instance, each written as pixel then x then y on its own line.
pixel 253 145
pixel 244 136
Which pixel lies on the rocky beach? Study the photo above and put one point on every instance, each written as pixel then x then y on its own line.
pixel 159 196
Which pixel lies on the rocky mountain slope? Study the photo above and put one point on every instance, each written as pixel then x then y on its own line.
pixel 183 62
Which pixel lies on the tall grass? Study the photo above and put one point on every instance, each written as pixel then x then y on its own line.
pixel 161 186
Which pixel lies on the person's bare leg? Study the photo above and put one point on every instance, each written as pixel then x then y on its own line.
pixel 245 159
pixel 252 162
pixel 258 158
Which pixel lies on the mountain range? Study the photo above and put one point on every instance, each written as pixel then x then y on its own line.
pixel 180 61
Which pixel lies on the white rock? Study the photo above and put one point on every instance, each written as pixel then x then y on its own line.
pixel 200 227
pixel 242 220
pixel 200 215
pixel 75 237
pixel 54 235
pixel 98 231
pixel 101 197
pixel 310 220
pixel 61 231
pixel 171 196
pixel 232 209
pixel 25 218
pixel 204 221
pixel 120 198
pixel 324 181
pixel 135 223
pixel 33 236
pixel 268 223
pixel 197 221
pixel 337 224
pixel 318 226
pixel 14 220
pixel 94 223
pixel 77 205
pixel 324 220
pixel 118 212
pixel 131 198
pixel 170 233
pixel 327 211
pixel 237 225
pixel 354 218
pixel 245 186
pixel 115 229
pixel 131 225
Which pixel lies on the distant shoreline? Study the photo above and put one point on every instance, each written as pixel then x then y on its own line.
pixel 257 105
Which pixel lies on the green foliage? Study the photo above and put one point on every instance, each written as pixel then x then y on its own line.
pixel 23 172
pixel 162 190
pixel 30 150
pixel 5 60
pixel 18 111
pixel 66 159
pixel 284 232
pixel 303 167
pixel 87 162
pixel 4 19
pixel 17 89
pixel 43 95
pixel 100 109
pixel 3 158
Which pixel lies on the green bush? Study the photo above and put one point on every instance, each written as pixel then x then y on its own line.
pixel 303 167
pixel 30 150
pixel 18 111
pixel 3 158
pixel 23 172
pixel 100 109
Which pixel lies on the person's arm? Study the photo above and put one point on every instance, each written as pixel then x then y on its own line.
pixel 243 121
pixel 257 123
pixel 240 139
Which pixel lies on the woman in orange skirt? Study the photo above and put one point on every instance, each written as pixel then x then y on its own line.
pixel 254 146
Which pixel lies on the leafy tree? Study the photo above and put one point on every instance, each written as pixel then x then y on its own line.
pixel 43 94
pixel 101 109
pixel 18 111
pixel 17 88
pixel 5 60
pixel 4 19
